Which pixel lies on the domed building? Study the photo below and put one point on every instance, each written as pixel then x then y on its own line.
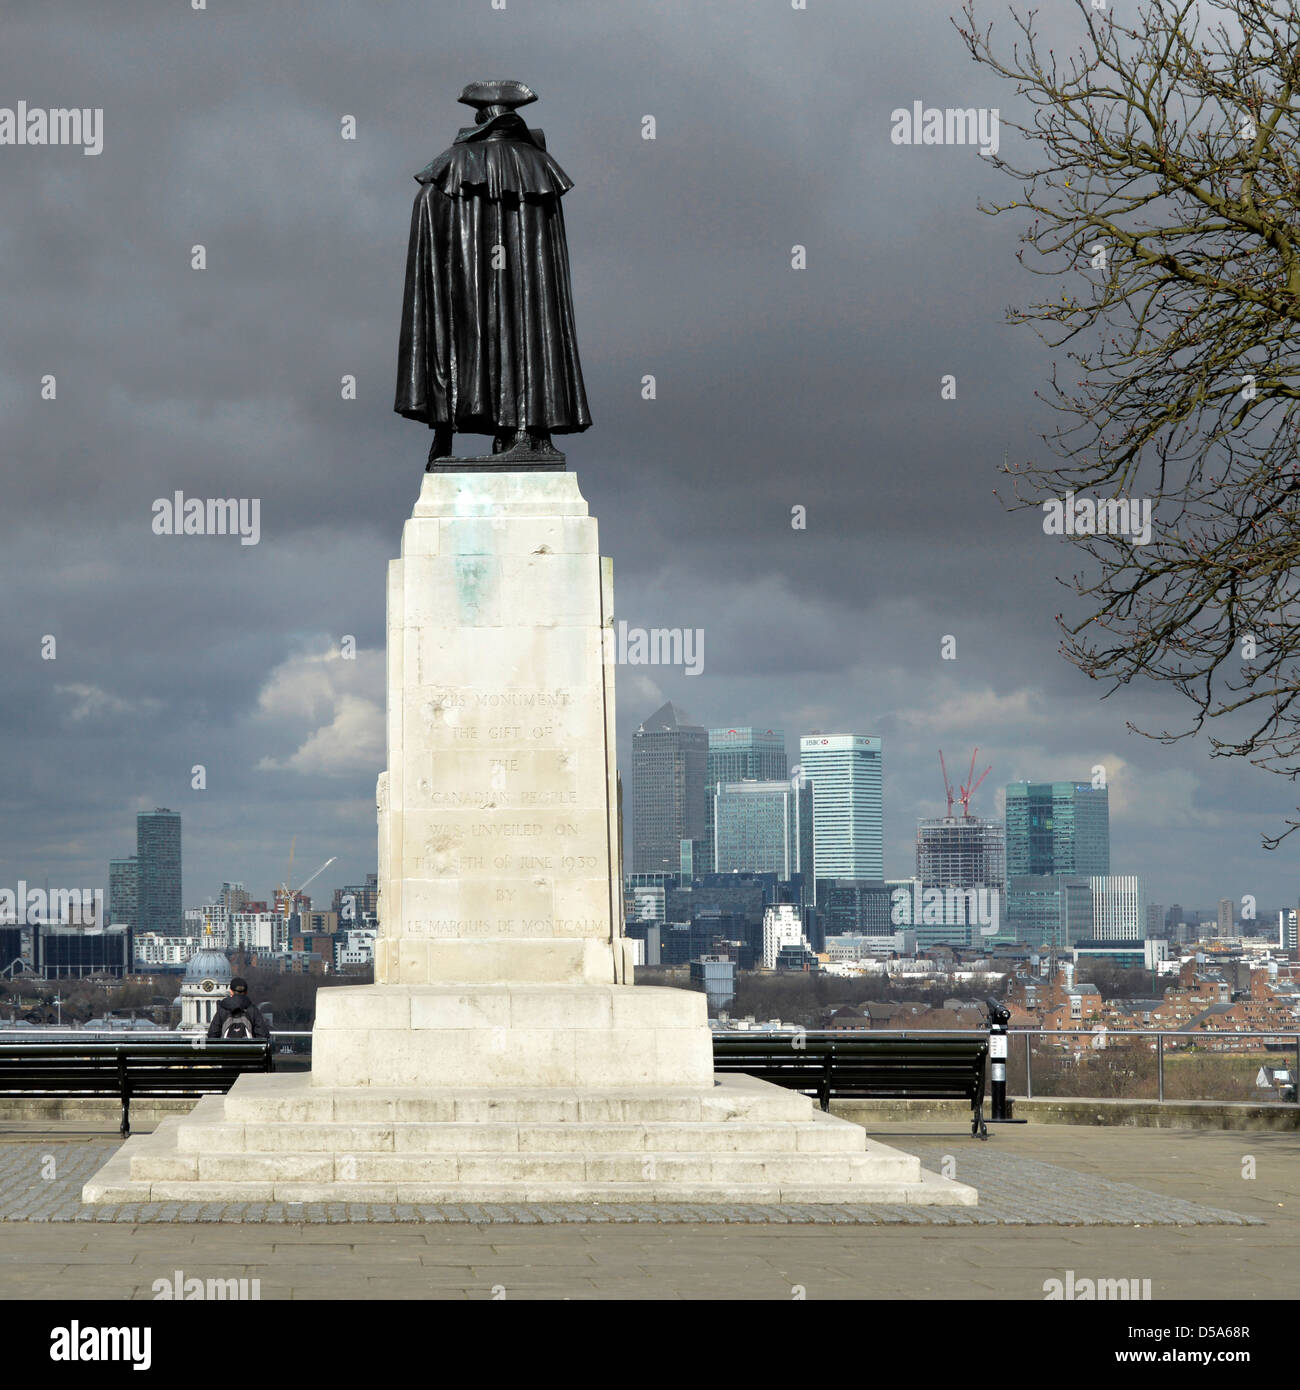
pixel 207 979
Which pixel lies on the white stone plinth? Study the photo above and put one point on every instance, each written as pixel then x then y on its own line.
pixel 498 828
pixel 486 1036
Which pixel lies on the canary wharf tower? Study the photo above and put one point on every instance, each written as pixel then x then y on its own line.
pixel 1058 828
pixel 669 790
pixel 848 812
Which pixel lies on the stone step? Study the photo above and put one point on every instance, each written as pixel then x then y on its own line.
pixel 291 1099
pixel 279 1139
pixel 446 1169
pixel 928 1191
pixel 150 1167
pixel 822 1134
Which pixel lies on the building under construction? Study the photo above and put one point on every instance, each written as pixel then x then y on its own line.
pixel 960 850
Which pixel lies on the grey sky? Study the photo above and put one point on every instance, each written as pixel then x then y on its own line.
pixel 775 387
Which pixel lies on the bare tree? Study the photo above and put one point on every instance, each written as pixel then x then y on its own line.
pixel 1165 199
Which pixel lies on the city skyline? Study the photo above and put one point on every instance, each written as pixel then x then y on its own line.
pixel 1056 835
pixel 733 759
pixel 906 868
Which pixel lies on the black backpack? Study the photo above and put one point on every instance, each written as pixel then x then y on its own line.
pixel 237 1027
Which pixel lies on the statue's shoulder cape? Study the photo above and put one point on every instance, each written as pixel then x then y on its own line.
pixel 476 165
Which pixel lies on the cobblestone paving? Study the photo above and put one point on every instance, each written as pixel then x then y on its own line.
pixel 1014 1191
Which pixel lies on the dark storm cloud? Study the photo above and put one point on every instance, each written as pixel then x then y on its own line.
pixel 775 387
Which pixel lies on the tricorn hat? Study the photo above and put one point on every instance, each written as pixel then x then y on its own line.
pixel 501 93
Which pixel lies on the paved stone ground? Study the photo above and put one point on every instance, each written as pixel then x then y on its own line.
pixel 42 1182
pixel 334 1257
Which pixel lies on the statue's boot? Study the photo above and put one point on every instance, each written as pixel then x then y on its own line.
pixel 441 446
pixel 525 443
pixel 540 443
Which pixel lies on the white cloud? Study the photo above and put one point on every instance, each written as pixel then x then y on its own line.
pixel 93 702
pixel 340 705
pixel 979 711
pixel 637 693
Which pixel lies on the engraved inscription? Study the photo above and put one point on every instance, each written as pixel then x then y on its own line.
pixel 477 800
pixel 448 928
pixel 522 699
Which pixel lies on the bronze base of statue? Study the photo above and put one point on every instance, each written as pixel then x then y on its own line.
pixel 513 450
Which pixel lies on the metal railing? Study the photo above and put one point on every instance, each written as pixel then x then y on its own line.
pixel 297 1042
pixel 1087 1041
pixel 1205 1042
pixel 52 1033
pixel 290 1043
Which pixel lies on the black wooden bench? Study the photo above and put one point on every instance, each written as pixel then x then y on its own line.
pixel 190 1067
pixel 856 1067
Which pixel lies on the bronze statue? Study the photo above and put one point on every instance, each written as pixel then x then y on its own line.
pixel 488 341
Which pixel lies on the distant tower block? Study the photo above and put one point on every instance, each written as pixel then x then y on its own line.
pixel 848 808
pixel 670 790
pixel 961 851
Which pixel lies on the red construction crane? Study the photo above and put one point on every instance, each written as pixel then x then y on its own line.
pixel 964 793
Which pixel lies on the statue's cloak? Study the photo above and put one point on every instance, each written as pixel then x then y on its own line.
pixel 487 350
